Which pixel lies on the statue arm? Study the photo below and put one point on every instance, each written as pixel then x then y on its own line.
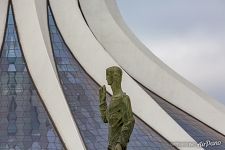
pixel 103 110
pixel 103 104
pixel 128 122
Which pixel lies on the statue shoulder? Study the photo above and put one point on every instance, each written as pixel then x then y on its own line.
pixel 126 98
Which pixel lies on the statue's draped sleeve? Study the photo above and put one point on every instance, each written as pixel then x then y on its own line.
pixel 128 122
pixel 103 110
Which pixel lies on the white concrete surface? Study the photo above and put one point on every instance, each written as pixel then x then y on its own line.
pixel 39 63
pixel 95 60
pixel 108 26
pixel 41 8
pixel 3 14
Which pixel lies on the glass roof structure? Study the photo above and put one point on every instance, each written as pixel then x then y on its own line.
pixel 24 122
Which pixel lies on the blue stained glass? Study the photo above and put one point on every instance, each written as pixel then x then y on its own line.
pixel 24 123
pixel 196 129
pixel 82 96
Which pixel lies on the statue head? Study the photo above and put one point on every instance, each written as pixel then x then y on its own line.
pixel 114 75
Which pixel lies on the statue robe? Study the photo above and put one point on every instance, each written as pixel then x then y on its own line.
pixel 120 118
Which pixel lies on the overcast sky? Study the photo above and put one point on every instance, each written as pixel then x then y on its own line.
pixel 188 35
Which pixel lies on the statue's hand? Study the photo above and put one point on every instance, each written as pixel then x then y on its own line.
pixel 118 147
pixel 102 94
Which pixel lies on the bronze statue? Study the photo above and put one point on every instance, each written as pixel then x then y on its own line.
pixel 119 113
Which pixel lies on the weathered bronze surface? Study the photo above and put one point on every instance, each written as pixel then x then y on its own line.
pixel 119 113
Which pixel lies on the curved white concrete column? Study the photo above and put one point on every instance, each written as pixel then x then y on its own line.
pixel 95 60
pixel 108 26
pixel 41 8
pixel 3 16
pixel 42 72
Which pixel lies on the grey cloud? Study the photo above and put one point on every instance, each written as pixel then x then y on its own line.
pixel 174 15
pixel 199 59
pixel 187 35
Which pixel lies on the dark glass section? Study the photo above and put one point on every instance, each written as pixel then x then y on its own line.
pixel 200 132
pixel 82 96
pixel 24 123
